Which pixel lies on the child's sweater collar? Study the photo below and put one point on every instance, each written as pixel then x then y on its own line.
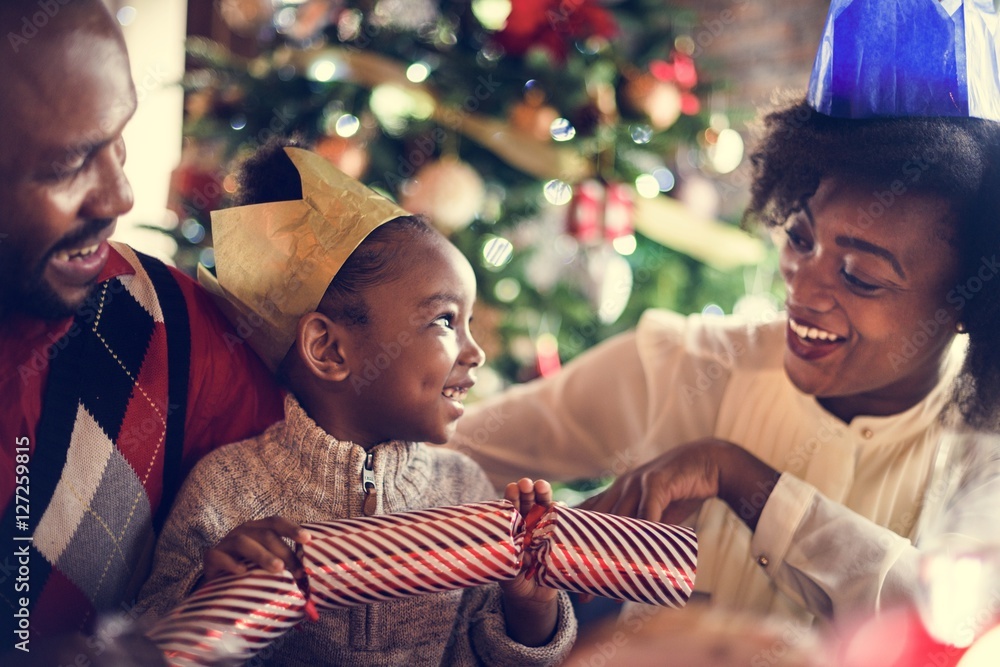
pixel 334 469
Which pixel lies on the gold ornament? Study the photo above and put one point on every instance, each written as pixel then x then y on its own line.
pixel 448 191
pixel 347 155
pixel 659 101
pixel 534 119
pixel 245 17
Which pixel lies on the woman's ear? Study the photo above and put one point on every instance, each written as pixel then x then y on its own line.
pixel 321 344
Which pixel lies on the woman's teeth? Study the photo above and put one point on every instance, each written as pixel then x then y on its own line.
pixel 455 393
pixel 812 333
pixel 67 255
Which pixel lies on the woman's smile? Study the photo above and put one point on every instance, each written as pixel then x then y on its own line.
pixel 810 342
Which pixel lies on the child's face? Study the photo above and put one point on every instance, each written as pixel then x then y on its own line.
pixel 417 354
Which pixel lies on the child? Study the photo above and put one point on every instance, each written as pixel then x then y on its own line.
pixel 364 312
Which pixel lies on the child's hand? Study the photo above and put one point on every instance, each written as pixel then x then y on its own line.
pixel 258 543
pixel 531 610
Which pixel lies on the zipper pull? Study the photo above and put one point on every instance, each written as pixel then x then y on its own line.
pixel 368 483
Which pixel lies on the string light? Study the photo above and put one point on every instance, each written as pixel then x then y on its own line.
pixel 497 251
pixel 557 192
pixel 418 72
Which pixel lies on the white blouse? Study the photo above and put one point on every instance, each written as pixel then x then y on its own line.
pixel 821 544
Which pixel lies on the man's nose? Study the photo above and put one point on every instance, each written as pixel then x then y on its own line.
pixel 111 195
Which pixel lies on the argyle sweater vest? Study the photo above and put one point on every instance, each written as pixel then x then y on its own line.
pixel 107 457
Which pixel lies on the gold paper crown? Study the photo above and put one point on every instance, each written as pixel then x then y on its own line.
pixel 275 261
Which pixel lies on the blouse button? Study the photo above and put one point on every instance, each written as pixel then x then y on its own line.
pixel 762 560
pixel 867 433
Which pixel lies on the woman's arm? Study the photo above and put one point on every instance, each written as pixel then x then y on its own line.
pixel 675 484
pixel 819 553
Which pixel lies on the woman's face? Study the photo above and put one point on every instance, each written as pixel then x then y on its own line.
pixel 869 318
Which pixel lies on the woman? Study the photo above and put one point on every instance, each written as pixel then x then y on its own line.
pixel 818 431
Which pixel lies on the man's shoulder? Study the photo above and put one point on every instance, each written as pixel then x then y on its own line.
pixel 125 260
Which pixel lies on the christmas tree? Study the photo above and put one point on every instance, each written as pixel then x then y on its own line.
pixel 564 145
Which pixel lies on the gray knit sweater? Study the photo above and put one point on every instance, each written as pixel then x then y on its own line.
pixel 298 471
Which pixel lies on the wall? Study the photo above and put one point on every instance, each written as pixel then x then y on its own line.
pixel 154 33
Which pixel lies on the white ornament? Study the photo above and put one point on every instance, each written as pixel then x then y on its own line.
pixel 701 196
pixel 607 280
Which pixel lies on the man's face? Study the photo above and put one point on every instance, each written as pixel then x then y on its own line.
pixel 61 155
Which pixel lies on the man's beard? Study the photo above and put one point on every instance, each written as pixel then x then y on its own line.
pixel 34 297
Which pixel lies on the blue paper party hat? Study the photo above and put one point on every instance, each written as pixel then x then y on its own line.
pixel 909 58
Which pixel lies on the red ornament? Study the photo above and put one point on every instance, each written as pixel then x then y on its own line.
pixel 662 70
pixel 586 211
pixel 547 361
pixel 598 210
pixel 619 208
pixel 690 104
pixel 553 25
pixel 681 73
pixel 685 74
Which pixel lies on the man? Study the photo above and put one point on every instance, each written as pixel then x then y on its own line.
pixel 116 374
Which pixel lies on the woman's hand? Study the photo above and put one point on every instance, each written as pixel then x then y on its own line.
pixel 531 610
pixel 675 484
pixel 258 543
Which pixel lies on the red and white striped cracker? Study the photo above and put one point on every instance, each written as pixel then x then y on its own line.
pixel 611 556
pixel 230 620
pixel 359 561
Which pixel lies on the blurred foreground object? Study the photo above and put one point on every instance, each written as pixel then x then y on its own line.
pixel 698 636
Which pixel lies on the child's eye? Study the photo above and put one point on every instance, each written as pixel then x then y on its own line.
pixel 445 321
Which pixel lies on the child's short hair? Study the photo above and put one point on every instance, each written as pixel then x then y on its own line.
pixel 268 175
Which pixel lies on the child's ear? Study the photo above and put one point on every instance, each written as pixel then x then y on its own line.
pixel 320 343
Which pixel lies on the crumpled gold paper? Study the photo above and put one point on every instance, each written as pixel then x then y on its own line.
pixel 274 261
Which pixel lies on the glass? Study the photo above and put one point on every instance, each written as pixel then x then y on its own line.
pixel 959 596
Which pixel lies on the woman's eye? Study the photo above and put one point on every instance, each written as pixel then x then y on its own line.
pixel 797 241
pixel 858 284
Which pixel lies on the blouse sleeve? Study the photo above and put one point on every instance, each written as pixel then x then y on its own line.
pixel 836 562
pixel 826 557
